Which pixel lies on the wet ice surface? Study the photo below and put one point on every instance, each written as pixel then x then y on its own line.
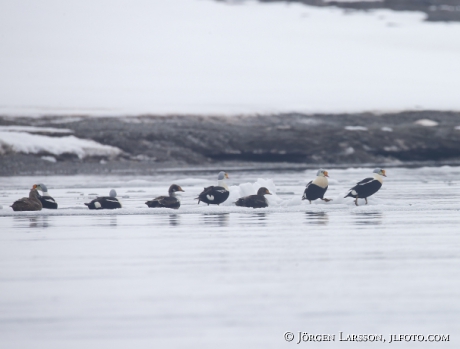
pixel 226 277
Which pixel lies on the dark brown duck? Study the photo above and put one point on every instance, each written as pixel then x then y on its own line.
pixel 255 201
pixel 167 201
pixel 32 203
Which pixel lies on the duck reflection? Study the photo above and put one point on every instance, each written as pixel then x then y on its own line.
pixel 261 218
pixel 317 218
pixel 217 219
pixel 113 221
pixel 31 222
pixel 105 221
pixel 174 220
pixel 368 218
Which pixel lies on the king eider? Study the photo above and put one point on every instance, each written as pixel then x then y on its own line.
pixel 317 188
pixel 255 201
pixel 46 200
pixel 215 195
pixel 167 201
pixel 368 186
pixel 105 202
pixel 32 203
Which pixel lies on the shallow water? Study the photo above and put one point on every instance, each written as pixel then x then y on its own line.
pixel 227 276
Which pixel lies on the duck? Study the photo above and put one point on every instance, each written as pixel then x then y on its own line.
pixel 32 203
pixel 46 200
pixel 167 201
pixel 215 195
pixel 255 201
pixel 105 202
pixel 317 188
pixel 368 186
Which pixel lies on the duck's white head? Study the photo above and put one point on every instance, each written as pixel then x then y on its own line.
pixel 322 173
pixel 380 172
pixel 220 179
pixel 113 193
pixel 222 175
pixel 321 178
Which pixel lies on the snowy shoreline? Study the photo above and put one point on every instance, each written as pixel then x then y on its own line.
pixel 147 144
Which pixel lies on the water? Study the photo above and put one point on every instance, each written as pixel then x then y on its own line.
pixel 226 277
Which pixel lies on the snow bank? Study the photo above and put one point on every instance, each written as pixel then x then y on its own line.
pixel 192 56
pixel 32 144
pixel 246 189
pixel 34 129
pixel 355 128
pixel 426 123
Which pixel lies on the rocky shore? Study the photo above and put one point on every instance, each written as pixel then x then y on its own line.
pixel 159 143
pixel 435 10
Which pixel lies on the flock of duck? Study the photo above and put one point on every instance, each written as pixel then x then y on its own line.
pixel 213 195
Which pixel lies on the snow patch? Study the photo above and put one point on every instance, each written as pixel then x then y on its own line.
pixel 49 158
pixel 387 129
pixel 355 128
pixel 34 129
pixel 426 123
pixel 391 148
pixel 246 189
pixel 34 144
pixel 353 0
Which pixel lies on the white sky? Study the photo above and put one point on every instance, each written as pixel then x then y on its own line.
pixel 115 57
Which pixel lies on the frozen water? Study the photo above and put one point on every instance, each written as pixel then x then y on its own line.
pixel 226 277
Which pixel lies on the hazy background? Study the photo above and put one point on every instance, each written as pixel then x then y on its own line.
pixel 201 56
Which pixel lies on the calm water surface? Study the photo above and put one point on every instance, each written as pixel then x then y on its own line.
pixel 227 277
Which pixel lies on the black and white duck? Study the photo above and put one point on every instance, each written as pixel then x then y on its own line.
pixel 317 188
pixel 255 201
pixel 32 203
pixel 105 202
pixel 170 201
pixel 215 195
pixel 368 186
pixel 46 200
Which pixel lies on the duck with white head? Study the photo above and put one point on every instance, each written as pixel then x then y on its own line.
pixel 215 195
pixel 46 200
pixel 317 188
pixel 368 186
pixel 105 202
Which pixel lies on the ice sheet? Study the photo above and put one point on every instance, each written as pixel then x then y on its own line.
pixel 226 277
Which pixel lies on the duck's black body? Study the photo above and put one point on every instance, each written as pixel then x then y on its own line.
pixel 48 202
pixel 368 186
pixel 104 203
pixel 313 192
pixel 32 203
pixel 164 201
pixel 213 195
pixel 167 201
pixel 254 201
pixel 365 188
